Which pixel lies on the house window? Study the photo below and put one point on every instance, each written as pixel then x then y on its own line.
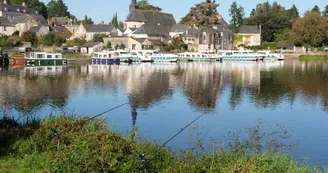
pixel 134 46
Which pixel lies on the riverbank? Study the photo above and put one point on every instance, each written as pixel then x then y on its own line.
pixel 313 57
pixel 68 144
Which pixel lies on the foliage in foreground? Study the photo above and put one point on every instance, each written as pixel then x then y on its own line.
pixel 84 145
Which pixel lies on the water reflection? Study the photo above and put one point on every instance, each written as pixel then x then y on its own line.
pixel 266 84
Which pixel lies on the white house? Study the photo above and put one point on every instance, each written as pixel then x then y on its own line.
pixel 88 31
pixel 248 36
pixel 6 28
pixel 25 22
pixel 90 47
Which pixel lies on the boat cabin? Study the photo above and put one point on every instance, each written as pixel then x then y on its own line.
pixel 43 56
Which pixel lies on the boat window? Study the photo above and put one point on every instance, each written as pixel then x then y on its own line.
pixel 193 55
pixel 188 55
pixel 49 56
pixel 40 55
pixel 99 56
pixel 57 56
pixel 105 56
pixel 203 56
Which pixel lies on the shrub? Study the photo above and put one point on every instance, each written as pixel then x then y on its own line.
pixel 29 37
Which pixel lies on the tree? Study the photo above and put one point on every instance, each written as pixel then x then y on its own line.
pixel 282 37
pixel 79 41
pixel 144 5
pixel 203 14
pixel 293 12
pixel 51 39
pixel 253 12
pixel 311 30
pixel 237 15
pixel 325 12
pixel 272 18
pixel 315 9
pixel 115 21
pixel 57 8
pixel 108 45
pixel 15 34
pixel 122 46
pixel 87 20
pixel 99 37
pixel 29 37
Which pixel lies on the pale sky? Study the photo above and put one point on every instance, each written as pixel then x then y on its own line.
pixel 100 10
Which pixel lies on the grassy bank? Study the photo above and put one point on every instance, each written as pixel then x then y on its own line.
pixel 313 57
pixel 84 145
pixel 74 55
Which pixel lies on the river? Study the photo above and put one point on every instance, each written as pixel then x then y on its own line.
pixel 163 97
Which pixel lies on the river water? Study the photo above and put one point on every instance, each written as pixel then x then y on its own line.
pixel 163 97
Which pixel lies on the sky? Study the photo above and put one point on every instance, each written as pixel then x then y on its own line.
pixel 103 10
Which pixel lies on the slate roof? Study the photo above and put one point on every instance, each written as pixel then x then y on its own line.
pixel 58 29
pixel 23 18
pixel 192 32
pixel 61 20
pixel 151 29
pixel 99 28
pixel 140 40
pixel 5 22
pixel 35 29
pixel 150 16
pixel 90 44
pixel 13 8
pixel 246 29
pixel 61 31
pixel 179 28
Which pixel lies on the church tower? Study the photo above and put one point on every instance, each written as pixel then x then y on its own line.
pixel 133 5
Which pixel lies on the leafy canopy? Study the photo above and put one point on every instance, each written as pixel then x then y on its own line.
pixel 29 37
pixel 144 5
pixel 87 20
pixel 237 15
pixel 57 8
pixel 203 14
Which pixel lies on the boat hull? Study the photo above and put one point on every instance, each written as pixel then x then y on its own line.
pixel 240 58
pixel 106 61
pixel 46 61
pixel 203 59
pixel 164 59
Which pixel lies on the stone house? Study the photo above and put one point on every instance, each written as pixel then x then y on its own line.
pixel 61 31
pixel 11 11
pixel 88 31
pixel 178 30
pixel 25 22
pixel 152 32
pixel 248 36
pixel 39 30
pixel 91 47
pixel 6 28
pixel 129 43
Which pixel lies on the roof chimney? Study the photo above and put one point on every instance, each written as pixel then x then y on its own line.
pixel 75 21
pixel 23 4
pixel 219 17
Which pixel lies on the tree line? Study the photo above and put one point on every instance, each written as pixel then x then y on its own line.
pixel 278 24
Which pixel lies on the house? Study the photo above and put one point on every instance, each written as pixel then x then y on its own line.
pixel 152 31
pixel 248 36
pixel 62 21
pixel 25 22
pixel 137 17
pixel 88 31
pixel 6 28
pixel 11 11
pixel 61 31
pixel 91 47
pixel 129 31
pixel 178 30
pixel 39 30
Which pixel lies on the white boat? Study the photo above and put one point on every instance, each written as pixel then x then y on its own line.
pixel 200 56
pixel 44 58
pixel 125 56
pixel 232 55
pixel 271 56
pixel 105 57
pixel 163 57
pixel 142 55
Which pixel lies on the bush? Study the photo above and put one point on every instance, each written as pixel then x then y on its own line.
pixel 86 145
pixel 29 37
pixel 15 34
pixel 99 37
pixel 51 39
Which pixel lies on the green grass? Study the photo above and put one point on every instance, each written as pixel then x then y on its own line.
pixel 313 57
pixel 89 146
pixel 74 55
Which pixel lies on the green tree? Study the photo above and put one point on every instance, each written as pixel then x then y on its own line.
pixel 293 12
pixel 203 14
pixel 15 34
pixel 252 12
pixel 272 18
pixel 29 37
pixel 237 15
pixel 315 9
pixel 311 30
pixel 57 8
pixel 144 5
pixel 282 37
pixel 87 20
pixel 115 20
pixel 51 39
pixel 99 37
pixel 122 46
pixel 325 11
pixel 108 45
pixel 79 41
